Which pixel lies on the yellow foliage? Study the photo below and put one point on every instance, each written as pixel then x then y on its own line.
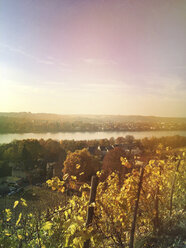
pixel 19 218
pixel 15 204
pixel 73 177
pixel 78 166
pixel 19 236
pixel 8 214
pixel 47 225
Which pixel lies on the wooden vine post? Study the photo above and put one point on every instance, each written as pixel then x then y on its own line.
pixel 131 244
pixel 90 213
pixel 173 185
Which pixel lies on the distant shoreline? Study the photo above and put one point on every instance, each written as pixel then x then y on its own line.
pixel 94 131
pixel 93 135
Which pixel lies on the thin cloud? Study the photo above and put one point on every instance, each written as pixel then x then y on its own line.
pixel 22 52
pixel 99 62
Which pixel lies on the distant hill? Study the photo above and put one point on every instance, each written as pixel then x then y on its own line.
pixel 89 118
pixel 25 122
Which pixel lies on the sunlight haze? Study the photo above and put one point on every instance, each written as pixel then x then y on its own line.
pixel 93 57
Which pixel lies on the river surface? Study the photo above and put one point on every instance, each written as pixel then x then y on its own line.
pixel 7 138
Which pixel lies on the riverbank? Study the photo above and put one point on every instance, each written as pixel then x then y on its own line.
pixel 7 138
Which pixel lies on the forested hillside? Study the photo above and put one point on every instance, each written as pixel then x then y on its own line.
pixel 28 122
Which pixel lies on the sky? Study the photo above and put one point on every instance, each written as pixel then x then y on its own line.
pixel 124 57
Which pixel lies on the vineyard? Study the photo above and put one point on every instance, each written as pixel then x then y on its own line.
pixel 142 207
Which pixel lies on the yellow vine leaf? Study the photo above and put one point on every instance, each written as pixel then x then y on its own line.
pixel 8 214
pixel 78 166
pixel 15 204
pixel 93 204
pixel 62 190
pixel 148 196
pixel 47 225
pixel 19 218
pixel 23 202
pixel 19 236
pixel 7 233
pixel 73 177
pixel 65 176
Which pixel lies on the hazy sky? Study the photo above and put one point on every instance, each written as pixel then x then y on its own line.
pixel 93 56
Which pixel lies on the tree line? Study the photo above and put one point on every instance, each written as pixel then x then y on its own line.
pixel 30 123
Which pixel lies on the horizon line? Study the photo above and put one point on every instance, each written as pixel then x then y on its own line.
pixel 80 114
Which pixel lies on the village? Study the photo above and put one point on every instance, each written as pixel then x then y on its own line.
pixel 17 175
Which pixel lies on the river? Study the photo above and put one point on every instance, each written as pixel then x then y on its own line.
pixel 7 138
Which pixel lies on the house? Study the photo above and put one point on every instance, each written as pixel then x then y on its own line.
pixel 103 149
pixel 110 147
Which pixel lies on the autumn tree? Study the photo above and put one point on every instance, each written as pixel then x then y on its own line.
pixel 120 140
pixel 104 142
pixel 112 162
pixel 129 139
pixel 112 141
pixel 54 151
pixel 80 165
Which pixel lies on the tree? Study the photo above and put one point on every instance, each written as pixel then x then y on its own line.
pixel 112 162
pixel 54 151
pixel 112 141
pixel 81 165
pixel 104 142
pixel 120 140
pixel 129 139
